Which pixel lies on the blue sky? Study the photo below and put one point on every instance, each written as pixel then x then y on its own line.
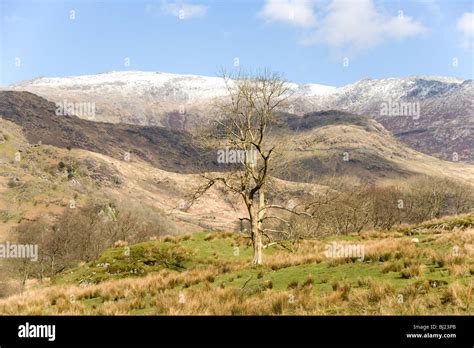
pixel 306 40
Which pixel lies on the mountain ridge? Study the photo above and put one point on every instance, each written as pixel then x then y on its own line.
pixel 444 124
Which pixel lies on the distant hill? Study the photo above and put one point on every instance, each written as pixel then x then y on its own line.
pixel 165 148
pixel 445 121
pixel 319 143
pixel 444 126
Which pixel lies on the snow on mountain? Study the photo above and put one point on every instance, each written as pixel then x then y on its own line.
pixel 443 125
pixel 194 88
pixel 191 87
pixel 135 81
pixel 434 115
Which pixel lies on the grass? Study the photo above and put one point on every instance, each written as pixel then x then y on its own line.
pixel 447 223
pixel 200 274
pixel 134 261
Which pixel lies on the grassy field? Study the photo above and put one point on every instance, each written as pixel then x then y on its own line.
pixel 210 273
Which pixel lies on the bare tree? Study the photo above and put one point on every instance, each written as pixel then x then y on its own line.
pixel 243 129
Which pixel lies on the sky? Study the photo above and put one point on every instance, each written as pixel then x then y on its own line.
pixel 331 42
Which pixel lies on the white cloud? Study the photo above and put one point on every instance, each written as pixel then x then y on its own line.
pixel 178 9
pixel 294 12
pixel 359 25
pixel 400 27
pixel 345 24
pixel 465 25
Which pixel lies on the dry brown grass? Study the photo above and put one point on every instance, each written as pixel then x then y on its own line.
pixel 376 290
pixel 413 271
pixel 392 266
pixel 459 270
pixel 459 295
pixel 111 291
pixel 194 292
pixel 460 237
pixel 146 294
pixel 279 261
pixel 389 248
pixel 342 289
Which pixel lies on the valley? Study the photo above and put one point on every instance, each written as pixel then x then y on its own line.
pixel 444 125
pixel 141 179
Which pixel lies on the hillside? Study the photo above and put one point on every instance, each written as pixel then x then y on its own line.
pixel 339 143
pixel 210 274
pixel 167 149
pixel 144 98
pixel 444 124
pixel 45 178
pixel 159 172
pixel 48 161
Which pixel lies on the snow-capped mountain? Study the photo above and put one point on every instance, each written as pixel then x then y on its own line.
pixel 144 98
pixel 433 114
pixel 365 95
pixel 163 86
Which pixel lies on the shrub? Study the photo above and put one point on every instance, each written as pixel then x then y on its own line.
pixel 343 288
pixel 458 295
pixel 412 271
pixel 344 210
pixel 392 266
pixel 378 290
pixel 81 234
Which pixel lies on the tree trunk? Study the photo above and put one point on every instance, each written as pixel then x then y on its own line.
pixel 257 246
pixel 257 229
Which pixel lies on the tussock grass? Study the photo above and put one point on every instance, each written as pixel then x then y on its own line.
pixel 459 295
pixel 448 223
pixel 396 277
pixel 412 271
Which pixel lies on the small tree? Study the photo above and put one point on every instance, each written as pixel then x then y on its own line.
pixel 242 136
